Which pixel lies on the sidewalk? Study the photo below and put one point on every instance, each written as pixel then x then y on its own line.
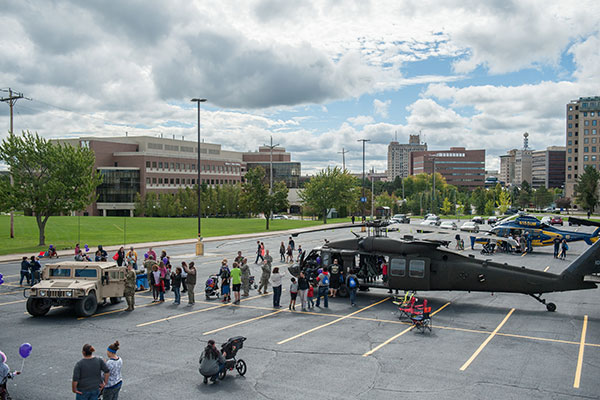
pixel 145 246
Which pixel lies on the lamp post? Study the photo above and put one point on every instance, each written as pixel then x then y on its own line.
pixel 363 199
pixel 199 244
pixel 271 147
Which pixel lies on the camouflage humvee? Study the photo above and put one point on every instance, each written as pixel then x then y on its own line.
pixel 78 284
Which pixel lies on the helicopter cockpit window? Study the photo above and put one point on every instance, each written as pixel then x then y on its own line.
pixel 416 269
pixel 398 267
pixel 326 258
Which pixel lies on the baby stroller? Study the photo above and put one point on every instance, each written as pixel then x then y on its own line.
pixel 212 287
pixel 231 347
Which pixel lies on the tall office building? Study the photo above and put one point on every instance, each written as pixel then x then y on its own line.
pixel 398 159
pixel 548 167
pixel 507 167
pixel 516 164
pixel 582 139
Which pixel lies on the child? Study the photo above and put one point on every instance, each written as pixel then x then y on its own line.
pixel 293 294
pixel 5 375
pixel 176 284
pixel 309 296
pixel 225 290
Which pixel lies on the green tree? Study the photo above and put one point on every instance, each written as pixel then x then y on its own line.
pixel 48 178
pixel 586 188
pixel 467 207
pixel 542 197
pixel 138 205
pixel 256 198
pixel 490 208
pixel 447 207
pixel 504 201
pixel 330 188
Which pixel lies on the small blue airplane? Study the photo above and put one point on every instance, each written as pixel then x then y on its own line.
pixel 541 233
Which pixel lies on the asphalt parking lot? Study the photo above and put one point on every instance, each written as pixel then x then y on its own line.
pixel 482 345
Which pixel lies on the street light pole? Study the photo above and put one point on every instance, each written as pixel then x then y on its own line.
pixel 199 244
pixel 363 229
pixel 271 147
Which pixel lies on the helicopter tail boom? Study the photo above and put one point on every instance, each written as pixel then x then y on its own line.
pixel 586 264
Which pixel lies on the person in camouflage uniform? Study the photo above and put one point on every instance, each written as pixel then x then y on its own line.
pixel 266 273
pixel 130 283
pixel 245 277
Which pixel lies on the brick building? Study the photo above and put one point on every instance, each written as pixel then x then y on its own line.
pixel 460 167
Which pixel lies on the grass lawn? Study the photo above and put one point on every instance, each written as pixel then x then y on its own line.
pixel 62 232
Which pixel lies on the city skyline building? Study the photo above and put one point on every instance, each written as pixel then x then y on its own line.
pixel 548 167
pixel 398 158
pixel 582 139
pixel 459 166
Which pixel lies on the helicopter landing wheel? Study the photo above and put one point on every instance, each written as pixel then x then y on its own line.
pixel 551 307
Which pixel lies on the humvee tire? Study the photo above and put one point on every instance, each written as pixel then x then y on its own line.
pixel 343 291
pixel 115 300
pixel 37 307
pixel 87 306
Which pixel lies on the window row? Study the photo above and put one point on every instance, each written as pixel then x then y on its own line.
pixel 228 169
pixel 189 181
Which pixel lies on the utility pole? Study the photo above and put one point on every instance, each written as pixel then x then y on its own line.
pixel 372 191
pixel 363 199
pixel 343 153
pixel 271 147
pixel 11 100
pixel 199 244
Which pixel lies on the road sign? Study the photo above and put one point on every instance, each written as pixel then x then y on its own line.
pixel 363 199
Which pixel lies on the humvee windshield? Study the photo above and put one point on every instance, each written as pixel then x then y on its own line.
pixel 60 272
pixel 86 273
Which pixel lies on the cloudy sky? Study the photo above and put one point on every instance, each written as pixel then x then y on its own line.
pixel 316 75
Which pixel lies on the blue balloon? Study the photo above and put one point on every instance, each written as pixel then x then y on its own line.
pixel 25 350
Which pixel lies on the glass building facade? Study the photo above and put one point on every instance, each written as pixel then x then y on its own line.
pixel 288 172
pixel 118 185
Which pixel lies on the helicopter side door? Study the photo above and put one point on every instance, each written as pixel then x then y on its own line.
pixel 408 273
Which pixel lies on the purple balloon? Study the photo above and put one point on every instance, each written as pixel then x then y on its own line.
pixel 25 350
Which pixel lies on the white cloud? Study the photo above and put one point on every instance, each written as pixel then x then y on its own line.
pixel 361 120
pixel 381 107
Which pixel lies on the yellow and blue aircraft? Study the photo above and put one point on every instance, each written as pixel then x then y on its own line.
pixel 542 234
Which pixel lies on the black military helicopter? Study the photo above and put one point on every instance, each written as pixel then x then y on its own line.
pixel 429 265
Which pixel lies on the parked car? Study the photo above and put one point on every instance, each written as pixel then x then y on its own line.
pixel 429 222
pixel 549 209
pixel 511 211
pixel 393 226
pixel 277 216
pixel 437 221
pixel 470 226
pixel 401 218
pixel 449 225
pixel 477 220
pixel 556 220
pixel 546 220
pixel 492 220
